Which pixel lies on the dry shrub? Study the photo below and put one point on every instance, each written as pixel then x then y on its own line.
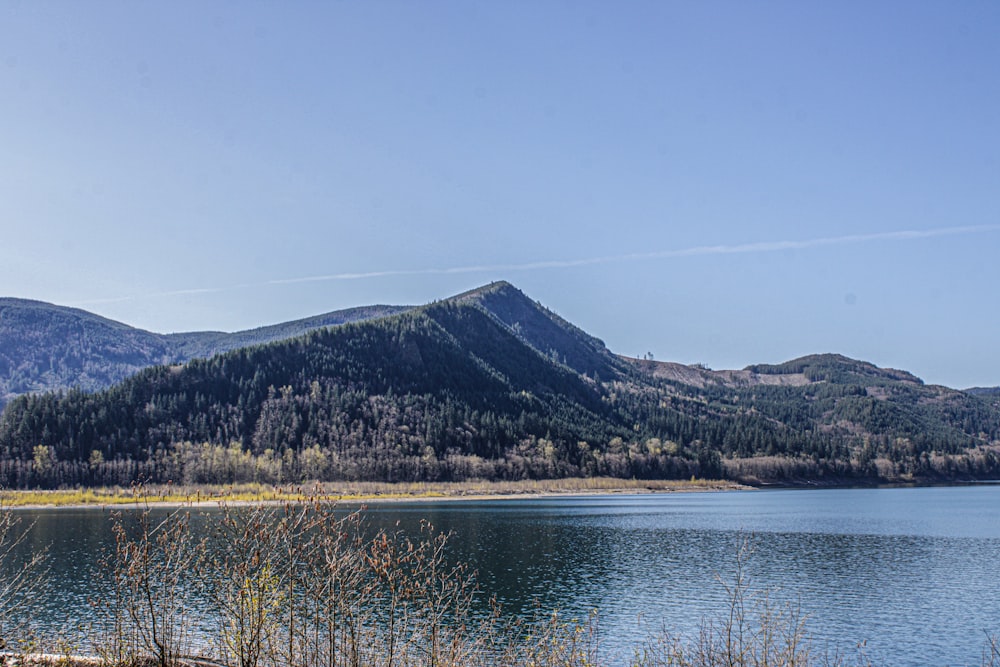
pixel 146 617
pixel 303 585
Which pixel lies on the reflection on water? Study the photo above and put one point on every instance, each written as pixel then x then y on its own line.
pixel 912 571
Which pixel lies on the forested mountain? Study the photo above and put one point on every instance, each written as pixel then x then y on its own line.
pixel 984 391
pixel 45 347
pixel 490 384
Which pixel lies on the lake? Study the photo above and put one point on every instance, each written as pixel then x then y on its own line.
pixel 913 572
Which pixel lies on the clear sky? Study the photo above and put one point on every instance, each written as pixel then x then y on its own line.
pixel 724 183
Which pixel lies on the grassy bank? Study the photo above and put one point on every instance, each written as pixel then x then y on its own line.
pixel 351 491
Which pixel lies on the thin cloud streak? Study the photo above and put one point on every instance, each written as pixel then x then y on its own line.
pixel 696 251
pixel 156 295
pixel 747 248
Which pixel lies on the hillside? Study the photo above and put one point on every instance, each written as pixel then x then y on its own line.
pixel 852 415
pixel 45 347
pixel 984 391
pixel 489 384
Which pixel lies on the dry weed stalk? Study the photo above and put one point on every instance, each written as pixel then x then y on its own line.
pixel 147 614
pixel 20 579
pixel 754 631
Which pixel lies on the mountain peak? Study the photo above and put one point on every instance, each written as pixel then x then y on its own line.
pixel 497 286
pixel 546 332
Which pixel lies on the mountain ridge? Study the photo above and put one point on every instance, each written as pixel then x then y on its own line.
pixel 45 347
pixel 984 391
pixel 490 384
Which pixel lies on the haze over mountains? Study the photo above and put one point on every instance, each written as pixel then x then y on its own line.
pixel 486 384
pixel 45 347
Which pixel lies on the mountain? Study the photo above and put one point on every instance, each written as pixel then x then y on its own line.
pixel 489 384
pixel 984 391
pixel 45 347
pixel 541 329
pixel 832 395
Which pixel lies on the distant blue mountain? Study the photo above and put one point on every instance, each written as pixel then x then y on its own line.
pixel 45 347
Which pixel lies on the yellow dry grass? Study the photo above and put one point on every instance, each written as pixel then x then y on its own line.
pixel 348 491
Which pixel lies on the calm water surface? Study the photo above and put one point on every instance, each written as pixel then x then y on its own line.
pixel 912 572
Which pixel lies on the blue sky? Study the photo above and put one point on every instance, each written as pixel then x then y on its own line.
pixel 712 182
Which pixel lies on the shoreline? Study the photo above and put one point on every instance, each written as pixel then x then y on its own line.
pixel 375 493
pixel 364 493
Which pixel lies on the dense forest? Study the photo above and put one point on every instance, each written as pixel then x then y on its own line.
pixel 490 385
